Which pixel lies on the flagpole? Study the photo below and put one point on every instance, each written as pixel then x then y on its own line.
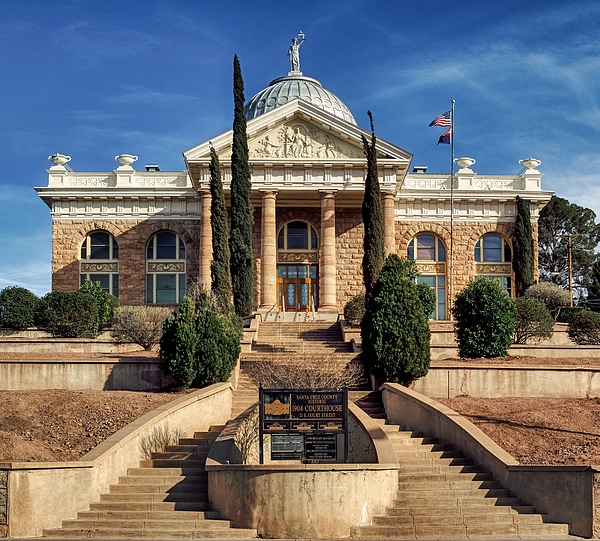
pixel 451 281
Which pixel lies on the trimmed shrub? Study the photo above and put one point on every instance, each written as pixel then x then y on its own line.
pixel 584 328
pixel 427 297
pixel 354 311
pixel 200 347
pixel 17 308
pixel 141 325
pixel 534 322
pixel 567 312
pixel 105 304
pixel 485 320
pixel 69 314
pixel 395 332
pixel 553 296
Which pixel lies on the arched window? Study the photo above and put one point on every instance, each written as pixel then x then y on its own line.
pixel 99 261
pixel 165 269
pixel 297 236
pixel 430 254
pixel 493 260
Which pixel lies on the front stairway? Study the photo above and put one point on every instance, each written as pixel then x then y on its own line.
pixel 165 498
pixel 444 495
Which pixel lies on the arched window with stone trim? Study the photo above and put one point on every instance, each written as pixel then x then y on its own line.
pixel 99 257
pixel 429 252
pixel 297 267
pixel 165 268
pixel 493 259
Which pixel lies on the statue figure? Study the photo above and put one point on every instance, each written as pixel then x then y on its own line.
pixel 294 52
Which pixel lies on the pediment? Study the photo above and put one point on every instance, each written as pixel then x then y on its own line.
pixel 298 131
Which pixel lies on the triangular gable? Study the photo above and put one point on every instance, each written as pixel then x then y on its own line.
pixel 298 130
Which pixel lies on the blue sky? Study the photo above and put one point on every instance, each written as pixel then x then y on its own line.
pixel 93 79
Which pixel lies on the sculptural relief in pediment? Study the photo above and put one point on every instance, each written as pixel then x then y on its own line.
pixel 301 140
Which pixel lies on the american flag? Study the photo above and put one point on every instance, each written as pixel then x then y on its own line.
pixel 443 120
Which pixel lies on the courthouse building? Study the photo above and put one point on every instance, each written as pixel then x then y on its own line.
pixel 146 236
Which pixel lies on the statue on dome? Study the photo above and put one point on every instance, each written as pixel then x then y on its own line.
pixel 294 52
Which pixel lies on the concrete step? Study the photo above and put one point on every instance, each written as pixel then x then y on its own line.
pixel 176 488
pixel 144 497
pixel 116 533
pixel 185 471
pixel 165 482
pixel 146 524
pixel 149 515
pixel 150 506
pixel 173 463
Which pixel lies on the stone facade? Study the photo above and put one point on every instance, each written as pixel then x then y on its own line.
pixel 308 165
pixel 132 237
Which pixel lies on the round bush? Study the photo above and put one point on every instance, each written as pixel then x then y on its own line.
pixel 17 308
pixel 354 311
pixel 584 328
pixel 485 320
pixel 534 321
pixel 554 297
pixel 70 314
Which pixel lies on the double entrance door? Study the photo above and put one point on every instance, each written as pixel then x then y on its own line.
pixel 297 287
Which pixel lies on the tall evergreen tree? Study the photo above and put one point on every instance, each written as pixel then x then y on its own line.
pixel 523 248
pixel 219 266
pixel 373 247
pixel 240 238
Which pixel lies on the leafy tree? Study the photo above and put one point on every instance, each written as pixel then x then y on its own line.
pixel 534 322
pixel 551 295
pixel 558 219
pixel 17 308
pixel 395 332
pixel 373 246
pixel 240 238
pixel 427 297
pixel 594 287
pixel 485 319
pixel 219 266
pixel 523 248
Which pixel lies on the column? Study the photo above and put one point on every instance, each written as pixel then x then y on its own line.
pixel 389 229
pixel 328 266
pixel 268 250
pixel 205 239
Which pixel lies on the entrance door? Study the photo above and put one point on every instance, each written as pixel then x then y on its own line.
pixel 297 287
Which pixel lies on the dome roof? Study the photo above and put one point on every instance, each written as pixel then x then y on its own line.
pixel 286 89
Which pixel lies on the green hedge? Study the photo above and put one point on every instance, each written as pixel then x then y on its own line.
pixel 17 308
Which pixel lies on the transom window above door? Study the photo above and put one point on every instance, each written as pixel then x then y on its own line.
pixel 297 236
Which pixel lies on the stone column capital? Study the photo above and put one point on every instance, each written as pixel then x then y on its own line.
pixel 268 192
pixel 204 192
pixel 328 194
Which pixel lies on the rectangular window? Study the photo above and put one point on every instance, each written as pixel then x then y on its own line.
pixel 166 288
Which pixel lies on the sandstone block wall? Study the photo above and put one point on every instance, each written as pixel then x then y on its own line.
pixel 132 237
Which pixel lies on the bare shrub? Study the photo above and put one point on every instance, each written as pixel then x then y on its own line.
pixel 141 325
pixel 308 372
pixel 247 438
pixel 158 440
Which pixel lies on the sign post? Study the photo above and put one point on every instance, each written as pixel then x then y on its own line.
pixel 304 424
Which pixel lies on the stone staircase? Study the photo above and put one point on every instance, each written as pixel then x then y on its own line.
pixel 165 498
pixel 444 495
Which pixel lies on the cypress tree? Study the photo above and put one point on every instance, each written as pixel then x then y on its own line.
pixel 219 266
pixel 373 247
pixel 523 248
pixel 240 238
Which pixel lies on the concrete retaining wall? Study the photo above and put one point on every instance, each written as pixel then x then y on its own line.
pixel 298 501
pixel 564 492
pixel 108 373
pixel 488 381
pixel 42 495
